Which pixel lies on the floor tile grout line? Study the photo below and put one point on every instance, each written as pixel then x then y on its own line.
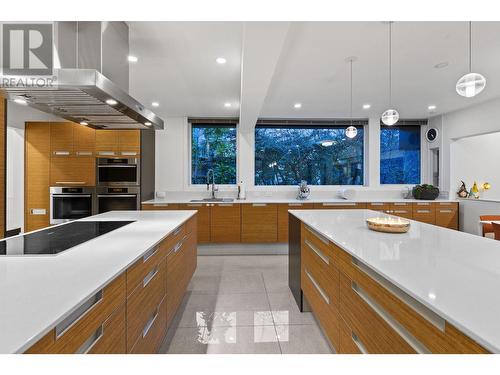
pixel 271 310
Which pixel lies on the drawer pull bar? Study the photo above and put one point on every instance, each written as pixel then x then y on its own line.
pixel 318 252
pixel 179 244
pixel 339 204
pixel 422 310
pixel 393 323
pixel 84 153
pixel 79 313
pixel 150 323
pixel 423 204
pixel 377 204
pixel 400 211
pixel 149 254
pixel 446 211
pixel 358 343
pixel 424 211
pixel 259 204
pixel 318 288
pixel 194 205
pixel 177 231
pixel 319 236
pixel 400 204
pixel 295 204
pixel 225 205
pixel 61 153
pixel 91 341
pixel 149 276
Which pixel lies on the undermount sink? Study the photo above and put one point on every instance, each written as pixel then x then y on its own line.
pixel 213 200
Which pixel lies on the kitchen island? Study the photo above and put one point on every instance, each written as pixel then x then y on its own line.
pixel 115 293
pixel 430 290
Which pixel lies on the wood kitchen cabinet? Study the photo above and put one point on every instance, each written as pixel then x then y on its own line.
pixel 72 171
pixel 447 215
pixel 36 175
pixel 132 313
pixel 283 217
pixel 84 140
pixel 225 223
pixel 259 222
pixel 61 138
pixel 204 219
pixel 424 212
pixel 118 142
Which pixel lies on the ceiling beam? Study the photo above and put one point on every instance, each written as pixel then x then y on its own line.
pixel 261 49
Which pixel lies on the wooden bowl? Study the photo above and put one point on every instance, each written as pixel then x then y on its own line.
pixel 388 224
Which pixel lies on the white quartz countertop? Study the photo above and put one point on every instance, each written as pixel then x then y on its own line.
pixel 291 200
pixel 455 274
pixel 37 292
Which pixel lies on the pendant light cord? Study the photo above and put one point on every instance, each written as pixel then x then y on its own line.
pixel 470 46
pixel 390 63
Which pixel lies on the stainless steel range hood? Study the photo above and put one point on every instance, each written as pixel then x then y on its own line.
pixel 86 52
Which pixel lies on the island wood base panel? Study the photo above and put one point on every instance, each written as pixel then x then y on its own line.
pixel 361 312
pixel 133 312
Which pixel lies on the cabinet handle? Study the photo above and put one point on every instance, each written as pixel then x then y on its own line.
pixel 377 204
pixel 295 204
pixel 358 343
pixel 178 245
pixel 106 153
pixel 84 153
pixel 400 204
pixel 424 211
pixel 393 323
pixel 149 254
pixel 128 153
pixel 194 204
pixel 150 323
pixel 150 276
pixel 400 211
pixel 91 341
pixel 177 231
pixel 318 252
pixel 78 314
pixel 225 205
pixel 446 211
pixel 318 288
pixel 423 204
pixel 38 211
pixel 259 204
pixel 318 236
pixel 70 182
pixel 61 153
pixel 389 211
pixel 339 204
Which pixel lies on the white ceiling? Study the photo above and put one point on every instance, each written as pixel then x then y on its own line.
pixel 177 67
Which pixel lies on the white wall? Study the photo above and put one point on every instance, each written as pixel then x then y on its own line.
pixel 173 164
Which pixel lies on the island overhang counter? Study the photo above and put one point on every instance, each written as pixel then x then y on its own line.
pixel 430 290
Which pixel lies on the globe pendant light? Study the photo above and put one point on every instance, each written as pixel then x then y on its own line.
pixel 470 84
pixel 390 116
pixel 351 130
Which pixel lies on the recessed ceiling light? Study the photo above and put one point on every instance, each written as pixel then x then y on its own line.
pixel 20 101
pixel 132 59
pixel 297 105
pixel 84 123
pixel 431 107
pixel 111 102
pixel 441 65
pixel 155 104
pixel 147 123
pixel 220 60
pixel 367 106
pixel 227 105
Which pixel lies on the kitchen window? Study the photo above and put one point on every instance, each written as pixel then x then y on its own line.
pixel 400 154
pixel 318 152
pixel 213 146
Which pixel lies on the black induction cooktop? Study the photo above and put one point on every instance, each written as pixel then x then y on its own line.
pixel 57 239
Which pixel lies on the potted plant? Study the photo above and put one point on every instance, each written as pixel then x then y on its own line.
pixel 425 191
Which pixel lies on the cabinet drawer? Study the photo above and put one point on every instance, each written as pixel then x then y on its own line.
pixel 378 206
pixel 144 301
pixel 153 331
pixel 339 205
pixel 73 332
pixel 317 243
pixel 173 239
pixel 226 223
pixel 401 212
pixel 144 267
pixel 320 303
pixel 424 212
pixel 110 338
pixel 447 217
pixel 370 329
pixel 259 223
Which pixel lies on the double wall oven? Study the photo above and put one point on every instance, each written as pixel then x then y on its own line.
pixel 118 184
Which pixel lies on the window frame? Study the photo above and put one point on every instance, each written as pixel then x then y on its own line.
pixel 421 150
pixel 321 124
pixel 190 184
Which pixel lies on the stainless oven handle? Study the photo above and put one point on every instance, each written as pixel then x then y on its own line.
pixel 116 195
pixel 71 195
pixel 117 166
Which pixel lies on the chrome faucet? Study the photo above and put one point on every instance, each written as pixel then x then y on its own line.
pixel 214 189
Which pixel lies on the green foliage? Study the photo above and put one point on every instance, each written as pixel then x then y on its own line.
pixel 285 156
pixel 213 147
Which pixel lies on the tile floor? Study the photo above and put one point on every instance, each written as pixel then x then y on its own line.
pixel 242 304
